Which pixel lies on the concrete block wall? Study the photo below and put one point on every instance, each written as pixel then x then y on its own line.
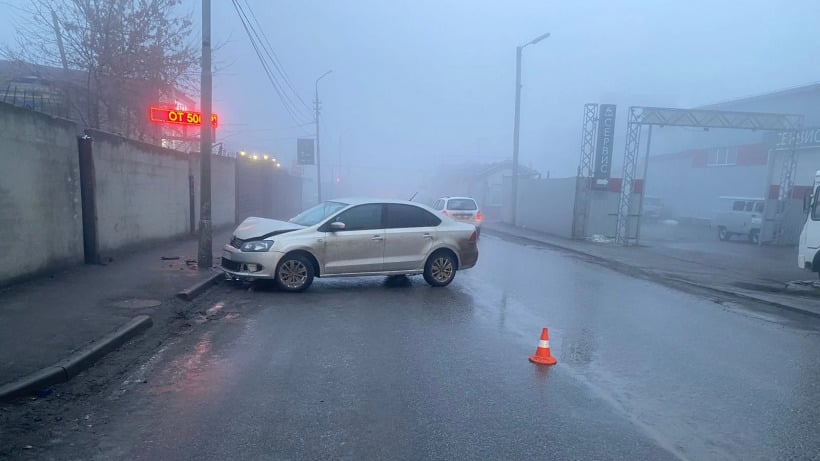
pixel 142 192
pixel 223 189
pixel 40 209
pixel 546 205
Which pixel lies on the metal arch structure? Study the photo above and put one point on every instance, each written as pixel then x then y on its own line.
pixel 588 140
pixel 698 118
pixel 585 173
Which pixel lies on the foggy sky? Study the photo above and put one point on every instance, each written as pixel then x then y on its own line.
pixel 425 83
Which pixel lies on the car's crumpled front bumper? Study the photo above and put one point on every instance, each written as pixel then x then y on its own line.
pixel 249 265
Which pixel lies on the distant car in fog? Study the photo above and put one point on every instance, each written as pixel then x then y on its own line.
pixel 740 216
pixel 351 237
pixel 464 209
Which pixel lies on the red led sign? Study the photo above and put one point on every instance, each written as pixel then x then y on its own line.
pixel 181 117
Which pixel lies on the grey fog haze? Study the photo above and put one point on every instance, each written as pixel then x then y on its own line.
pixel 421 84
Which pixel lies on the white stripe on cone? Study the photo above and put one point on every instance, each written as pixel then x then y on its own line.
pixel 544 344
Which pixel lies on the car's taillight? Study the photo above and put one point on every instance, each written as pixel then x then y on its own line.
pixel 474 237
pixel 479 217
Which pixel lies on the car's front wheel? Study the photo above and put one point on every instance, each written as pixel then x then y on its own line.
pixel 294 273
pixel 440 269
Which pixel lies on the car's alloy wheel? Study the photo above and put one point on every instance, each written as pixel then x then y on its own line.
pixel 294 273
pixel 440 269
pixel 723 234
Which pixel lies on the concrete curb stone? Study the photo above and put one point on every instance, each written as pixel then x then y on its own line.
pixel 197 289
pixel 76 362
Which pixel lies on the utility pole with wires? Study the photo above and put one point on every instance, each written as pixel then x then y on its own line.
pixel 316 111
pixel 205 254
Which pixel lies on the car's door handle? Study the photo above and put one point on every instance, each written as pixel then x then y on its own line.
pixel 428 236
pixel 377 237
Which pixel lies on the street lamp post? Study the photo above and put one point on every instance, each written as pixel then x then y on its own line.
pixel 516 127
pixel 316 120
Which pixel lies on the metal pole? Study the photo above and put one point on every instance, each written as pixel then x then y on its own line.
pixel 643 188
pixel 205 256
pixel 515 133
pixel 318 164
pixel 316 119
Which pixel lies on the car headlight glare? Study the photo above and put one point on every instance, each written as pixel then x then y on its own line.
pixel 257 245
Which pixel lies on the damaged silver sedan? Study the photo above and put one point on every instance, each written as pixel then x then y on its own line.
pixel 353 237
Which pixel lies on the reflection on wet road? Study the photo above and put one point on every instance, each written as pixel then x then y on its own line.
pixel 394 369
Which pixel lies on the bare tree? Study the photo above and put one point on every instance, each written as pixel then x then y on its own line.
pixel 118 56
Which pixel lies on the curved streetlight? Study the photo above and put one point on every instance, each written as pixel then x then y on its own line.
pixel 518 122
pixel 316 120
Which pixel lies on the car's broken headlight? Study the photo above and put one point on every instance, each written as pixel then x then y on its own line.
pixel 257 245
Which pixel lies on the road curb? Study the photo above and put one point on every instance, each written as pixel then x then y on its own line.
pixel 633 270
pixel 195 290
pixel 76 362
pixel 748 296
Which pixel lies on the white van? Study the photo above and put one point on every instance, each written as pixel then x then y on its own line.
pixel 740 216
pixel 808 251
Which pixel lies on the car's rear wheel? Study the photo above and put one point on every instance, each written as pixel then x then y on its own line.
pixel 440 268
pixel 723 234
pixel 294 273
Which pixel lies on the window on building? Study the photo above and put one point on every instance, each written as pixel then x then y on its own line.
pixel 750 206
pixel 739 205
pixel 759 207
pixel 722 156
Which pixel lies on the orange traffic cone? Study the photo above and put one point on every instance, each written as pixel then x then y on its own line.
pixel 542 354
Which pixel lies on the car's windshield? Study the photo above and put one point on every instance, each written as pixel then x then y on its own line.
pixel 318 213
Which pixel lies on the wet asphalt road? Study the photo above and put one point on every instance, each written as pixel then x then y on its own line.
pixel 371 369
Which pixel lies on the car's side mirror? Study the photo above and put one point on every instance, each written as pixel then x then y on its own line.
pixel 337 226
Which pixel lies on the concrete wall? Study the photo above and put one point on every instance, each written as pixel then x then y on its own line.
pixel 40 214
pixel 223 189
pixel 142 193
pixel 603 213
pixel 547 205
pixel 141 190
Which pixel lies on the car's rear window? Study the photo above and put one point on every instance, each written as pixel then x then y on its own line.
pixel 459 204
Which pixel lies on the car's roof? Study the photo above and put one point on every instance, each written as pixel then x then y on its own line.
pixel 361 200
pixel 458 198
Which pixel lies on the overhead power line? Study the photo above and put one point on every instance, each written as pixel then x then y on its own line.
pixel 257 44
pixel 275 58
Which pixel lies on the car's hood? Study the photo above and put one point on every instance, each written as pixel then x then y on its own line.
pixel 254 227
